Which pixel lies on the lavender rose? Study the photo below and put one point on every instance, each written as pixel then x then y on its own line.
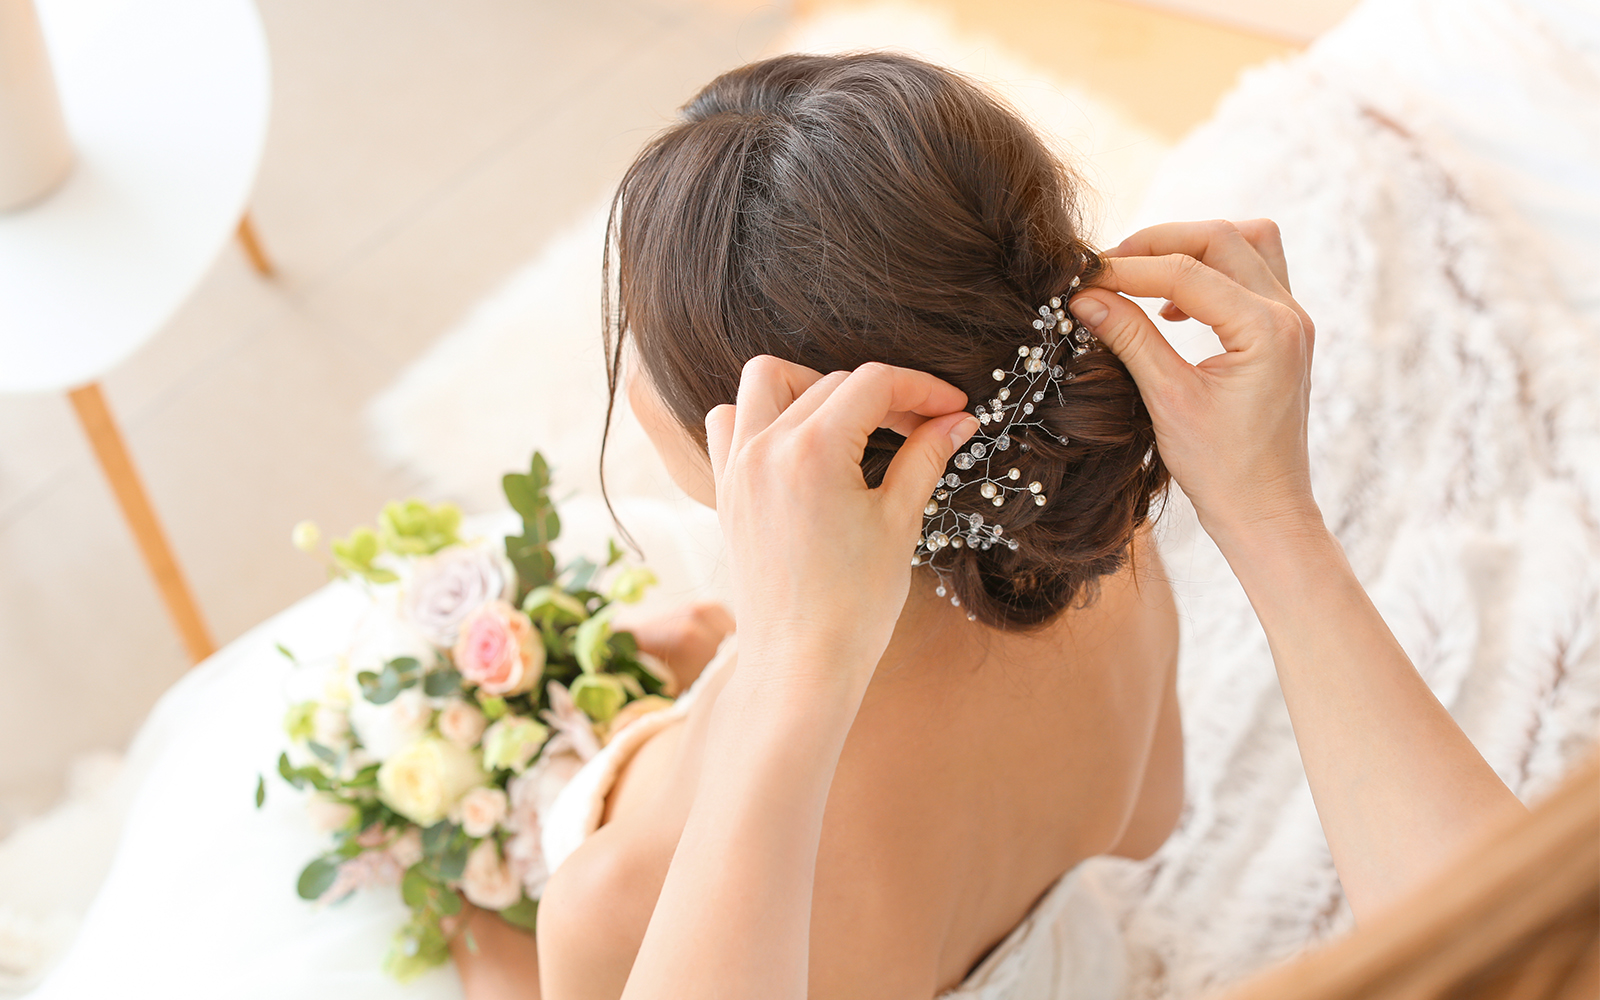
pixel 445 588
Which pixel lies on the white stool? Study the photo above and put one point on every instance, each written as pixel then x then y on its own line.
pixel 166 101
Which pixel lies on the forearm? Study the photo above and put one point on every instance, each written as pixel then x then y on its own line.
pixel 1398 786
pixel 734 914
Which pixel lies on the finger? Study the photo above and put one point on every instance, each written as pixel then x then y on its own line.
pixel 767 387
pixel 1263 234
pixel 719 438
pixel 920 462
pixel 809 401
pixel 1218 244
pixel 1237 315
pixel 1125 329
pixel 865 400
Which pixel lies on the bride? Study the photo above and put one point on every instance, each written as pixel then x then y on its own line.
pixel 824 271
pixel 837 213
pixel 837 276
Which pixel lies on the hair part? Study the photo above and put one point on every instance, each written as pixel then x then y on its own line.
pixel 835 210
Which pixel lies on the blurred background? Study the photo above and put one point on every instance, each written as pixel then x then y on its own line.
pixel 418 155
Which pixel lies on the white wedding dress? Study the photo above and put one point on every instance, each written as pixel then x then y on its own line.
pixel 200 901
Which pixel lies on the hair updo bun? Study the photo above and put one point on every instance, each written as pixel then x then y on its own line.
pixel 835 210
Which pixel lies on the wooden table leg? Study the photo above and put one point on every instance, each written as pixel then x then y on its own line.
pixel 124 479
pixel 252 247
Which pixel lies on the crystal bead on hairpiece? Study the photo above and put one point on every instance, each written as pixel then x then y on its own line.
pixel 1036 370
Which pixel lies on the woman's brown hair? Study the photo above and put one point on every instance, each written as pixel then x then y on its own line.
pixel 835 210
pixel 1515 918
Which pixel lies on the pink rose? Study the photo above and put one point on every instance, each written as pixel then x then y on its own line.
pixel 487 880
pixel 480 811
pixel 497 650
pixel 461 723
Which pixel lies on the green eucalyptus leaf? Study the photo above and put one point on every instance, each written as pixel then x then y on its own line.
pixel 454 859
pixel 582 572
pixel 439 683
pixel 387 688
pixel 325 754
pixel 317 877
pixel 288 772
pixel 416 888
pixel 436 839
pixel 284 650
pixel 261 790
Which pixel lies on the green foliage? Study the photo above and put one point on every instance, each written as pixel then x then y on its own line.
pixel 397 675
pixel 317 877
pixel 297 722
pixel 261 790
pixel 284 650
pixel 445 847
pixel 553 607
pixel 356 553
pixel 589 642
pixel 413 528
pixel 599 696
pixel 440 683
pixel 529 496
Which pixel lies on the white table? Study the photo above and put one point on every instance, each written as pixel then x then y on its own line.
pixel 166 101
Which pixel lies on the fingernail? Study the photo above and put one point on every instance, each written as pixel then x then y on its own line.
pixel 1090 312
pixel 963 429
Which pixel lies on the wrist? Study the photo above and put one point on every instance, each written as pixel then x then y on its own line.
pixel 1266 532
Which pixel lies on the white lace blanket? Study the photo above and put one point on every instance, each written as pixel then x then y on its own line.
pixel 1456 449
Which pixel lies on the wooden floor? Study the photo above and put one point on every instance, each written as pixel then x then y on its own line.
pixel 1165 70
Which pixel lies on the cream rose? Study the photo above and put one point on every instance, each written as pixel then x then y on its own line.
pixel 461 723
pixel 425 780
pixel 480 811
pixel 498 651
pixel 488 881
pixel 445 588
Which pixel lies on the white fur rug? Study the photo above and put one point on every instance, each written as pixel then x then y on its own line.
pixel 1455 442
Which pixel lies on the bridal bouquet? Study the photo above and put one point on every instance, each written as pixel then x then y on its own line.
pixel 429 769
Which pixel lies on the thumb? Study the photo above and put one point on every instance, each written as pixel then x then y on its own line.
pixel 920 462
pixel 1125 329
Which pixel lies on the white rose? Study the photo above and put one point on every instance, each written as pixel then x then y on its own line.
pixel 425 780
pixel 461 723
pixel 385 729
pixel 480 811
pixel 328 814
pixel 446 587
pixel 488 881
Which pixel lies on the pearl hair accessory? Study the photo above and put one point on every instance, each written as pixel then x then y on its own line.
pixel 1036 371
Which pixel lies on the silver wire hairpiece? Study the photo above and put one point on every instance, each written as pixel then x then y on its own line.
pixel 1036 371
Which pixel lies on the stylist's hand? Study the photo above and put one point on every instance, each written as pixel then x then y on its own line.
pixel 1232 429
pixel 820 562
